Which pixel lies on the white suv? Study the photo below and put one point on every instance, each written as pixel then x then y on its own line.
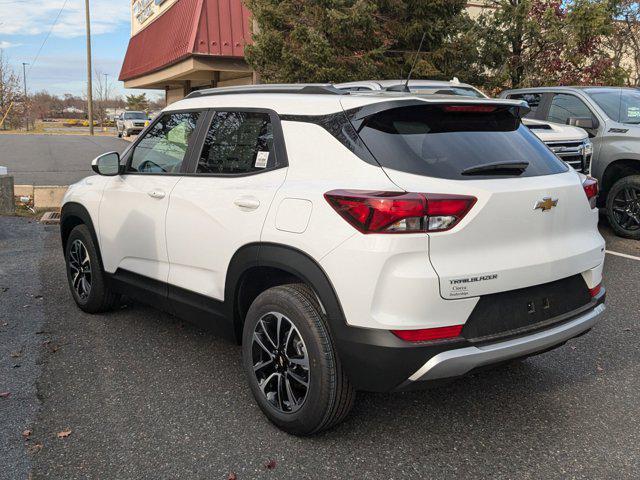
pixel 350 241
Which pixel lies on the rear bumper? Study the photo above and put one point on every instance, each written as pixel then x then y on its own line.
pixel 377 360
pixel 460 361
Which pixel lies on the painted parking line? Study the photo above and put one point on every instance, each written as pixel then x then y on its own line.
pixel 618 254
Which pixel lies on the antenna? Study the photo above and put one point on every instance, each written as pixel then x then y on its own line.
pixel 415 60
pixel 405 87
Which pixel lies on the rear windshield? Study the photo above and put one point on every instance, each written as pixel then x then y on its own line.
pixel 442 141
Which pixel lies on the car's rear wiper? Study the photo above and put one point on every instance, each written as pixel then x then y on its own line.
pixel 497 168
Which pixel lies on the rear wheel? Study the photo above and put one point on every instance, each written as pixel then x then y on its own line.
pixel 291 363
pixel 85 275
pixel 623 207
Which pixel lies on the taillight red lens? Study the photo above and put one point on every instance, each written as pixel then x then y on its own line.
pixel 426 334
pixel 590 186
pixel 595 290
pixel 398 212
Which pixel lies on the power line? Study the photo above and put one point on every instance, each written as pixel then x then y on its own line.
pixel 55 21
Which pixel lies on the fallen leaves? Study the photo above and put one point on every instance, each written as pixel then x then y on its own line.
pixel 5 394
pixel 16 354
pixel 26 434
pixel 64 433
pixel 270 465
pixel 34 448
pixel 232 476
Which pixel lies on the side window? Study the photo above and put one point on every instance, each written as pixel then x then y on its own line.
pixel 164 146
pixel 238 142
pixel 533 99
pixel 564 106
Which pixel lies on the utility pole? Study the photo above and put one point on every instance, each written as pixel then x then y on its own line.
pixel 26 101
pixel 89 82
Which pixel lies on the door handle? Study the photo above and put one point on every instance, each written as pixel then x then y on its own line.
pixel 247 203
pixel 156 194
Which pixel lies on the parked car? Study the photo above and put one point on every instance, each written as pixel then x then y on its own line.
pixel 348 241
pixel 131 123
pixel 611 117
pixel 571 144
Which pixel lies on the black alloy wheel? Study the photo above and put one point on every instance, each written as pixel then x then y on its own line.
pixel 623 207
pixel 280 362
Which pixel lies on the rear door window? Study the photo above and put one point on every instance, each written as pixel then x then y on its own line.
pixel 443 141
pixel 237 142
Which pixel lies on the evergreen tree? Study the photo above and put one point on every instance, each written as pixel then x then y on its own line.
pixel 342 40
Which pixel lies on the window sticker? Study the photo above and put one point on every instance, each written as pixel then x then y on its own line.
pixel 633 112
pixel 261 159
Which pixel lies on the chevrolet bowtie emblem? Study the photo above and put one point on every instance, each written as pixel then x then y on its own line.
pixel 546 204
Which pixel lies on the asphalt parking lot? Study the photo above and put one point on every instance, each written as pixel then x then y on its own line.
pixel 53 159
pixel 141 394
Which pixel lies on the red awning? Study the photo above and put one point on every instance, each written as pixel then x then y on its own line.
pixel 189 27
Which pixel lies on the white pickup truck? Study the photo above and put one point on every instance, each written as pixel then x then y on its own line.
pixel 571 144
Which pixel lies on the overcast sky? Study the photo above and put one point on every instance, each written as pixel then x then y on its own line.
pixel 61 66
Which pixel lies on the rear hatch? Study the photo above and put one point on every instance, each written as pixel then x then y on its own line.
pixel 532 222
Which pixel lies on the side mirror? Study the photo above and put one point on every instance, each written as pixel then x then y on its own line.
pixel 107 164
pixel 588 123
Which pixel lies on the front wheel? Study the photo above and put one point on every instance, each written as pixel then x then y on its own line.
pixel 291 363
pixel 85 275
pixel 623 207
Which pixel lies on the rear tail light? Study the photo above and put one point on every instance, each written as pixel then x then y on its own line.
pixel 397 212
pixel 590 186
pixel 595 290
pixel 426 334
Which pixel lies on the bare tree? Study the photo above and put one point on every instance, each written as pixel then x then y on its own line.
pixel 102 94
pixel 11 97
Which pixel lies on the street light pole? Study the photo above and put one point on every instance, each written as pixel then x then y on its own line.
pixel 26 102
pixel 89 82
pixel 106 100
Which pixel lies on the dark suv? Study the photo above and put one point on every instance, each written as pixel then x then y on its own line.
pixel 611 117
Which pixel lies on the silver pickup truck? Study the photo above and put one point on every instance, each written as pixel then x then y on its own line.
pixel 611 117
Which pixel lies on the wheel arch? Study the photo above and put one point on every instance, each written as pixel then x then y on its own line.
pixel 616 170
pixel 72 215
pixel 259 266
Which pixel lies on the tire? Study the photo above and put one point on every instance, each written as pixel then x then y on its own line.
pixel 623 207
pixel 329 396
pixel 82 262
pixel 119 134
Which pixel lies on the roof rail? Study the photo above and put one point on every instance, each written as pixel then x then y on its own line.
pixel 307 88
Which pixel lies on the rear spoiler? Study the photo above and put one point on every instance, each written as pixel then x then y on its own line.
pixel 356 115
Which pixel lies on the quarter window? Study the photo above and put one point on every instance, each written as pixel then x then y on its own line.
pixel 237 143
pixel 533 99
pixel 164 147
pixel 564 106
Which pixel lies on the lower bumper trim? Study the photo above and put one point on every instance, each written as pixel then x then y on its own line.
pixel 453 363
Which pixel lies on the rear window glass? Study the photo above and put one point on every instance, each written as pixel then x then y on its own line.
pixel 427 140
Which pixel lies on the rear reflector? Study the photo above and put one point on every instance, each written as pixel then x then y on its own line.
pixel 595 290
pixel 426 334
pixel 590 186
pixel 399 212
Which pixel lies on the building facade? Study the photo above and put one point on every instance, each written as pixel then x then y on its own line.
pixel 184 45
